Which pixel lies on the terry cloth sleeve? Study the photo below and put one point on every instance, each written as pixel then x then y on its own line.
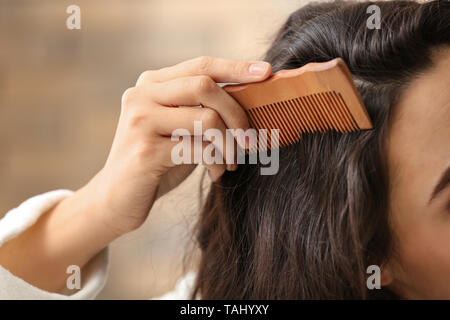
pixel 183 288
pixel 19 219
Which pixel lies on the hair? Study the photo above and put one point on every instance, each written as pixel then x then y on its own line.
pixel 311 230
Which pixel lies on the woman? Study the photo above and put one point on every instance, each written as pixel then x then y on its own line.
pixel 339 203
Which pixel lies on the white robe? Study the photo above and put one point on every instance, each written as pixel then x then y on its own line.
pixel 95 272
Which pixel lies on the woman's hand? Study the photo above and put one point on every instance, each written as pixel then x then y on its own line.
pixel 139 168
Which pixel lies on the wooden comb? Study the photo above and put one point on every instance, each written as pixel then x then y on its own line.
pixel 314 98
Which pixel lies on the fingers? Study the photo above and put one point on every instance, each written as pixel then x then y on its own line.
pixel 146 118
pixel 189 154
pixel 220 70
pixel 147 108
pixel 203 122
pixel 200 90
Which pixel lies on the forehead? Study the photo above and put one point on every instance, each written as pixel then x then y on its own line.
pixel 419 137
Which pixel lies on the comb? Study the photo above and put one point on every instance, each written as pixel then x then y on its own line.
pixel 316 97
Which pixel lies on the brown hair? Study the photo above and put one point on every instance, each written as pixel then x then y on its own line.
pixel 311 230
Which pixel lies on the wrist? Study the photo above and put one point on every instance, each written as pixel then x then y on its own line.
pixel 116 205
pixel 93 205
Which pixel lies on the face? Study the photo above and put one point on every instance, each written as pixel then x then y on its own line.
pixel 418 151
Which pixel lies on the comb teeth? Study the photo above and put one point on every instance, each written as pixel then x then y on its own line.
pixel 316 97
pixel 318 112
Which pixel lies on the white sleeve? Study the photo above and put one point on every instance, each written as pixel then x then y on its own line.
pixel 20 218
pixel 183 288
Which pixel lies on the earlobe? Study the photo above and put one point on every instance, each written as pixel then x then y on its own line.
pixel 386 275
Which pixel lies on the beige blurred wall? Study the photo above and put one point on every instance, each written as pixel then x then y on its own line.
pixel 60 96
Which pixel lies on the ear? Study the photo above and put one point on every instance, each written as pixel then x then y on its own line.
pixel 387 275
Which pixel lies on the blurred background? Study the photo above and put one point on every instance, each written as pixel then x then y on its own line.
pixel 60 93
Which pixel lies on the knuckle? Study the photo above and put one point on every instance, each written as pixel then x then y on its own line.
pixel 130 96
pixel 203 63
pixel 145 77
pixel 204 84
pixel 240 69
pixel 210 118
pixel 136 120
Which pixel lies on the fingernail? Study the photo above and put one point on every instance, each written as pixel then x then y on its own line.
pixel 258 68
